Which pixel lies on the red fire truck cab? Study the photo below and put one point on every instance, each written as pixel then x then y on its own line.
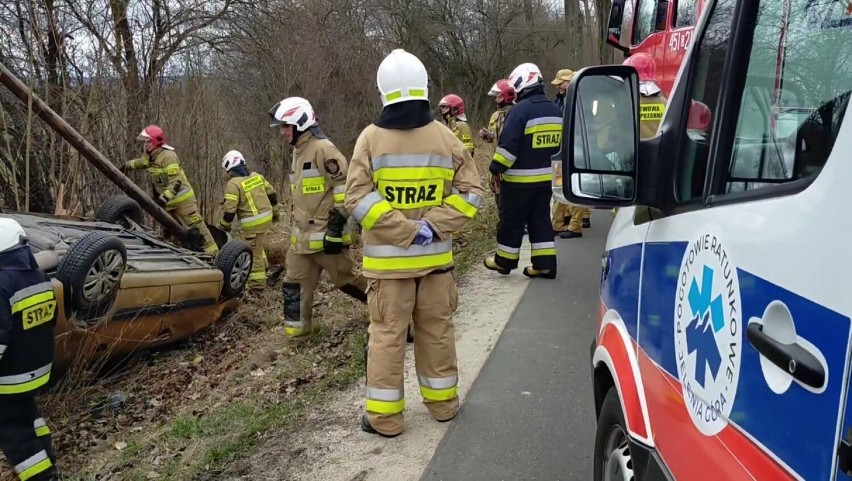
pixel 662 28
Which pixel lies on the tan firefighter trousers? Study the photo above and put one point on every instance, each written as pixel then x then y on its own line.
pixel 187 214
pixel 300 282
pixel 257 243
pixel 430 301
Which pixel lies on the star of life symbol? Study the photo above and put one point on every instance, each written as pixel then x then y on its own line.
pixel 708 337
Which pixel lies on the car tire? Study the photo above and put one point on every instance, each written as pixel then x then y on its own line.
pixel 235 262
pixel 116 208
pixel 91 273
pixel 612 450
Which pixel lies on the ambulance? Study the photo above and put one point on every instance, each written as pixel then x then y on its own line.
pixel 722 347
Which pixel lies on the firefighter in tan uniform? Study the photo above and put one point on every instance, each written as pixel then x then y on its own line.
pixel 568 220
pixel 411 186
pixel 504 95
pixel 652 102
pixel 452 111
pixel 320 236
pixel 249 196
pixel 172 190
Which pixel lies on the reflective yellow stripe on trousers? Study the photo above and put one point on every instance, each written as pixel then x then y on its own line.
pixel 393 258
pixel 316 238
pixel 543 249
pixel 33 466
pixel 436 389
pixel 386 402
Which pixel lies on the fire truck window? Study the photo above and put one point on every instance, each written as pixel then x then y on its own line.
pixel 706 84
pixel 797 89
pixel 685 13
pixel 650 18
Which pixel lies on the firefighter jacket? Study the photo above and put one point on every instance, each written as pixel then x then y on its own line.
pixel 651 110
pixel 462 130
pixel 532 134
pixel 168 177
pixel 495 124
pixel 399 176
pixel 250 198
pixel 27 319
pixel 318 184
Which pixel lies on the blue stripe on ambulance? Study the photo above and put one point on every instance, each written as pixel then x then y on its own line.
pixel 799 427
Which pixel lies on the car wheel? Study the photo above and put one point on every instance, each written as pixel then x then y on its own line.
pixel 91 273
pixel 117 209
pixel 235 262
pixel 613 461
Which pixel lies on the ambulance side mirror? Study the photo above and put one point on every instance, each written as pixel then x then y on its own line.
pixel 600 137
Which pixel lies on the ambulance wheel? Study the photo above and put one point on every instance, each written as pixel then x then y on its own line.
pixel 91 273
pixel 235 262
pixel 613 461
pixel 117 209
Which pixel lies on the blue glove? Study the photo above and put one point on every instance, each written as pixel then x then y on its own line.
pixel 425 235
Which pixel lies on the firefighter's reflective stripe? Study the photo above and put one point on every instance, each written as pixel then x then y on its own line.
pixel 543 124
pixel 543 249
pixel 546 132
pixel 438 388
pixel 340 194
pixel 528 176
pixel 508 252
pixel 467 203
pixel 292 182
pixel 370 209
pixel 36 305
pixel 412 167
pixel 185 193
pixel 256 220
pixel 232 197
pixel 313 182
pixel 156 170
pixel 173 169
pixel 29 292
pixel 248 185
pixel 411 94
pixel 258 275
pixel 293 328
pixel 388 258
pixel 386 402
pixel 504 157
pixel 315 239
pixel 40 426
pixel 33 466
pixel 21 383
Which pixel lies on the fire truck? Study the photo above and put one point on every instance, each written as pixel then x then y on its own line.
pixel 662 28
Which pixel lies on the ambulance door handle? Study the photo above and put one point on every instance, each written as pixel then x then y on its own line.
pixel 792 358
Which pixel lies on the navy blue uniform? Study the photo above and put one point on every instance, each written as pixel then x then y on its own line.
pixel 531 135
pixel 27 319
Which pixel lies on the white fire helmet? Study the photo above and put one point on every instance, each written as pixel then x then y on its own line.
pixel 294 111
pixel 524 76
pixel 233 159
pixel 402 77
pixel 11 234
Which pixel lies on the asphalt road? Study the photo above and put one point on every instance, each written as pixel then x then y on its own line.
pixel 529 414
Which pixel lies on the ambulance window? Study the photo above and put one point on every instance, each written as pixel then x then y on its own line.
pixel 797 88
pixel 685 13
pixel 712 48
pixel 650 18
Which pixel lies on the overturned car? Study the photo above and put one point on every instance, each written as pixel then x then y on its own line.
pixel 120 289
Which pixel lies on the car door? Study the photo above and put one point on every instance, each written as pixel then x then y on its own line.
pixel 744 311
